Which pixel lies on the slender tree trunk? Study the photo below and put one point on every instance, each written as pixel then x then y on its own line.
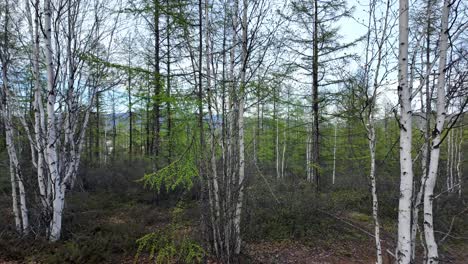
pixel 277 154
pixel 283 159
pixel 230 232
pixel 51 148
pixel 460 163
pixel 418 201
pixel 168 83
pixel 114 126
pixel 308 143
pixel 44 182
pixel 242 88
pixel 432 251
pixel 149 145
pixel 213 182
pixel 106 147
pixel 403 252
pixel 449 162
pixel 18 193
pixel 130 105
pixel 283 155
pixel 375 203
pixel 203 171
pixel 257 128
pixel 334 156
pixel 97 146
pixel 276 120
pixel 157 83
pixel 425 152
pixel 14 198
pixel 16 177
pixel 315 102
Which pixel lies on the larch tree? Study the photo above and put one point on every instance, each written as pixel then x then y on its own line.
pixel 317 52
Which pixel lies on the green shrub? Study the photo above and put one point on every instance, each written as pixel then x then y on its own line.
pixel 171 243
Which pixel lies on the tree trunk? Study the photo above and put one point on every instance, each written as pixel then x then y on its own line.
pixel 17 187
pixel 14 199
pixel 168 85
pixel 334 156
pixel 114 127
pixel 157 83
pixel 97 146
pixel 130 113
pixel 51 148
pixel 213 182
pixel 315 103
pixel 242 88
pixel 460 163
pixel 403 252
pixel 432 251
pixel 375 203
pixel 16 177
pixel 425 151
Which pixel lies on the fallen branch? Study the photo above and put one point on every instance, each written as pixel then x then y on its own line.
pixel 269 187
pixel 347 222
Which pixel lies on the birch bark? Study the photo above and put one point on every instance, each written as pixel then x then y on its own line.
pixel 459 163
pixel 20 210
pixel 432 250
pixel 334 155
pixel 242 87
pixel 403 251
pixel 16 178
pixel 213 182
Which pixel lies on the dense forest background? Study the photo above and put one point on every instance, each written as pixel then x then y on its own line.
pixel 253 131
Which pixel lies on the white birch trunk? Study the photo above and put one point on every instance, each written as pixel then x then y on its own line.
pixel 460 163
pixel 448 167
pixel 277 155
pixel 254 135
pixel 230 187
pixel 17 185
pixel 418 201
pixel 39 126
pixel 432 251
pixel 14 199
pixel 283 155
pixel 242 87
pixel 51 148
pixel 23 206
pixel 213 186
pixel 375 203
pixel 16 178
pixel 334 157
pixel 370 122
pixel 13 169
pixel 403 251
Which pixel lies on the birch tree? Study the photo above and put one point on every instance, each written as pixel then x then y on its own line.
pixel 225 181
pixel 379 31
pixel 18 192
pixel 432 251
pixel 61 111
pixel 403 251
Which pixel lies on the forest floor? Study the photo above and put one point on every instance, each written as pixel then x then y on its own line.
pixel 104 227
